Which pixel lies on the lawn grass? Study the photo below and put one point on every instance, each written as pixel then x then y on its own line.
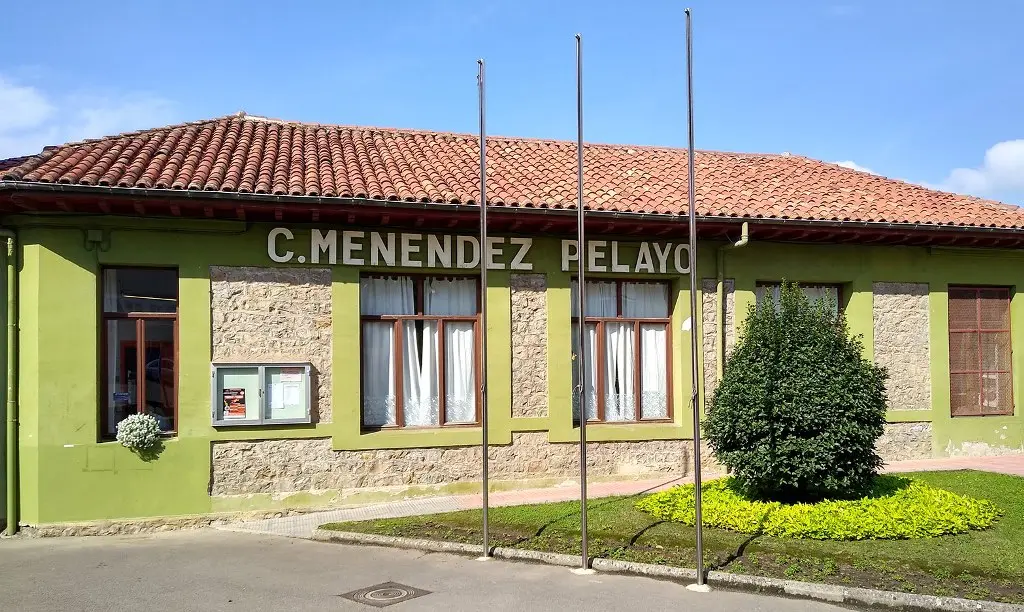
pixel 979 565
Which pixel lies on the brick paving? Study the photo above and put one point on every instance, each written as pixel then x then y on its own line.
pixel 302 525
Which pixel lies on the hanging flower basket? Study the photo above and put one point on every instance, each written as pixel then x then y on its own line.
pixel 139 432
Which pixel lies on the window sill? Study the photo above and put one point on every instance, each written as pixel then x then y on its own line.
pixel 621 431
pixel 164 435
pixel 416 437
pixel 666 421
pixel 420 428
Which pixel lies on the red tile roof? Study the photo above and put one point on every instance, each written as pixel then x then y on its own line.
pixel 247 154
pixel 13 161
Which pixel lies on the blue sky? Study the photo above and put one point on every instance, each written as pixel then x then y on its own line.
pixel 922 90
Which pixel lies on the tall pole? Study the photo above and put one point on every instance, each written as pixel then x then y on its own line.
pixel 483 302
pixel 694 374
pixel 580 301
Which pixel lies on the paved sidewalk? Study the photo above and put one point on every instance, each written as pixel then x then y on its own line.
pixel 302 525
pixel 211 571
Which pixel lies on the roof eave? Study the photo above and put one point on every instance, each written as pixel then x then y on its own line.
pixel 333 201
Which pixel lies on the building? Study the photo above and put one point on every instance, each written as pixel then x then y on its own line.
pixel 299 306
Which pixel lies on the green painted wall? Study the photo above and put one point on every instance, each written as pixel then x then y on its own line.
pixel 3 390
pixel 857 267
pixel 67 475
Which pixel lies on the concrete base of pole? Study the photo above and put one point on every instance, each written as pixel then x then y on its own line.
pixel 698 588
pixel 487 558
pixel 583 571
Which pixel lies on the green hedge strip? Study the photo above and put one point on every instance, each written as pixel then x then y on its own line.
pixel 897 509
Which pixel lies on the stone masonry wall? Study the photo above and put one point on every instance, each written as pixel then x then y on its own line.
pixel 275 314
pixel 903 441
pixel 709 314
pixel 529 345
pixel 281 466
pixel 901 343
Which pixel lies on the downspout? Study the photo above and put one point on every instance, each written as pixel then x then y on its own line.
pixel 720 300
pixel 12 388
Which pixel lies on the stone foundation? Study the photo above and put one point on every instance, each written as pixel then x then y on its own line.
pixel 529 345
pixel 709 316
pixel 275 314
pixel 283 466
pixel 981 449
pixel 901 343
pixel 902 441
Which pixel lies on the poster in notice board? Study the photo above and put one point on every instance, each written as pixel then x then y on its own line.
pixel 234 403
pixel 286 392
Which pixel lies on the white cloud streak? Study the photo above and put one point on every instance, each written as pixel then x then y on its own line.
pixel 854 166
pixel 33 118
pixel 1001 173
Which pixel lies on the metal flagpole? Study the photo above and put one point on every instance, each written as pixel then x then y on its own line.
pixel 483 302
pixel 580 300
pixel 694 374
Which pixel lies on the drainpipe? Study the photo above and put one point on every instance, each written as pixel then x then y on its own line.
pixel 12 372
pixel 720 316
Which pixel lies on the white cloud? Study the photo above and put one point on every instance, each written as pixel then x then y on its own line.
pixel 855 166
pixel 1000 173
pixel 24 107
pixel 32 118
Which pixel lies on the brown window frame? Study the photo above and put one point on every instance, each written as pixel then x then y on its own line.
pixel 140 319
pixel 397 333
pixel 637 352
pixel 837 286
pixel 981 331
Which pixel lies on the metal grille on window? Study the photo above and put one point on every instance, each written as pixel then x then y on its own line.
pixel 980 371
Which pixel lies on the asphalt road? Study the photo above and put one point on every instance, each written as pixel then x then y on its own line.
pixel 218 570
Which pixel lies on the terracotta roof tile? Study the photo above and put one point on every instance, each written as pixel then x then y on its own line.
pixel 264 156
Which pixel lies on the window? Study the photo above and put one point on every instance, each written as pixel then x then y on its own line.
pixel 140 331
pixel 627 351
pixel 832 294
pixel 419 351
pixel 980 377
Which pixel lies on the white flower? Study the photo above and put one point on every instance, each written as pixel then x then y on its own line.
pixel 138 431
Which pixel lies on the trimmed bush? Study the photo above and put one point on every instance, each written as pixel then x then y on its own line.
pixel 798 411
pixel 897 509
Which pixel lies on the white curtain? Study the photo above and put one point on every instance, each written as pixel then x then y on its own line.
pixel 824 292
pixel 830 293
pixel 620 354
pixel 590 351
pixel 420 356
pixel 653 371
pixel 379 296
pixel 601 301
pixel 455 297
pixel 650 300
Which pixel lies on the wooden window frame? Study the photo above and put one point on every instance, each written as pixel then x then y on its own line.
pixel 397 334
pixel 140 319
pixel 980 331
pixel 637 352
pixel 837 286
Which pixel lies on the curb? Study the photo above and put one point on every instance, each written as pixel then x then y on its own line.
pixel 806 590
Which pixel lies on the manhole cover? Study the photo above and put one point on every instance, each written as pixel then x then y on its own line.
pixel 385 594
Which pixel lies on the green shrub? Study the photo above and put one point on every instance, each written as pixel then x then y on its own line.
pixel 798 411
pixel 896 509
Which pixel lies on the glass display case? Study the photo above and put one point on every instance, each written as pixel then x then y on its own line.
pixel 260 393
